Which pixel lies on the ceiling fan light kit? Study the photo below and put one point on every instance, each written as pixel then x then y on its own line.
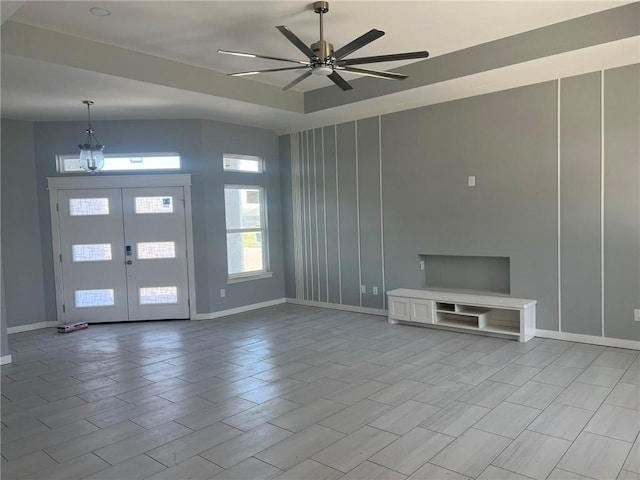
pixel 324 61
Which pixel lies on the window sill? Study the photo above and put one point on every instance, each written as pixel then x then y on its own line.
pixel 247 277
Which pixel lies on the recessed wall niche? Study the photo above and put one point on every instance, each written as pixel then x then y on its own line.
pixel 467 273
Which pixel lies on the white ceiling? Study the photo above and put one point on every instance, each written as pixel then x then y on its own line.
pixel 191 32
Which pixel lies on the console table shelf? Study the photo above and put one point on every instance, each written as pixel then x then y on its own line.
pixel 491 315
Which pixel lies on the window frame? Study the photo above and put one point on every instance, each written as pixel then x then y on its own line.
pixel 265 272
pixel 61 158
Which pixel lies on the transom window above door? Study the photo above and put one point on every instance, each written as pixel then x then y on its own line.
pixel 123 163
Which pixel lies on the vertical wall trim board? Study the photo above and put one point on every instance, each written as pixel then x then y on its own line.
pixel 383 292
pixel 559 212
pixel 602 198
pixel 335 129
pixel 324 197
pixel 304 209
pixel 315 191
pixel 300 279
pixel 358 210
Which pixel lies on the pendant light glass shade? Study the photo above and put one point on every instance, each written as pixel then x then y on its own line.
pixel 91 152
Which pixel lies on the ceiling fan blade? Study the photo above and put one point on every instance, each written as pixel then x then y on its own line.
pixel 298 80
pixel 373 73
pixel 359 42
pixel 384 58
pixel 339 81
pixel 292 37
pixel 255 55
pixel 254 72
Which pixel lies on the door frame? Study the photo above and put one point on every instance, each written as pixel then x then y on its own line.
pixel 55 184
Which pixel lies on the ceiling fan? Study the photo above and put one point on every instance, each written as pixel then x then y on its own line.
pixel 323 60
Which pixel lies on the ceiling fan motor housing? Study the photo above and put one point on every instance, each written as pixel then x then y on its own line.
pixel 323 50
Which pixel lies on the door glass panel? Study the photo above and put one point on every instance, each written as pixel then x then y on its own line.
pixel 151 250
pixel 94 298
pixel 97 252
pixel 88 206
pixel 154 204
pixel 155 295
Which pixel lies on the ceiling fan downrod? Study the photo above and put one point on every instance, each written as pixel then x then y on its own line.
pixel 322 49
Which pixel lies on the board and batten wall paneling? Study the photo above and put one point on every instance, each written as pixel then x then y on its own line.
pixel 348 207
pixel 306 212
pixel 508 141
pixel 313 216
pixel 580 212
pixel 321 229
pixel 369 209
pixel 289 231
pixel 557 168
pixel 336 214
pixel 621 198
pixel 331 210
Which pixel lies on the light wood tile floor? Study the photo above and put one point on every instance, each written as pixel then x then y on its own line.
pixel 304 393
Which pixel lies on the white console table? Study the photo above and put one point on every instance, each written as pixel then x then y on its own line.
pixel 491 315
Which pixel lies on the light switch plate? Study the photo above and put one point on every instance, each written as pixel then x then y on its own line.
pixel 471 181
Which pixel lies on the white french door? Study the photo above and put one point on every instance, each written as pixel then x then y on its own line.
pixel 122 253
pixel 156 253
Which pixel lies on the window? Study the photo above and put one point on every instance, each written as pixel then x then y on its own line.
pixel 123 163
pixel 246 232
pixel 242 163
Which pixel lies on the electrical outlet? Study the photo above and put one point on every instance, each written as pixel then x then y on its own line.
pixel 375 290
pixel 636 314
pixel 421 264
pixel 223 293
pixel 471 181
pixel 363 289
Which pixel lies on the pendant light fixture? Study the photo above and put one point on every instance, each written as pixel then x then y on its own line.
pixel 91 152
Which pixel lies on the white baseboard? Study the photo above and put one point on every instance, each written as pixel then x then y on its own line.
pixel 337 306
pixel 31 326
pixel 233 311
pixel 5 359
pixel 592 339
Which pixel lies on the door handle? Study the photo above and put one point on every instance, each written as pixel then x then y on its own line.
pixel 129 262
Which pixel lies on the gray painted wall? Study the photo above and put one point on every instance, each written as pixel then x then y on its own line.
pixel 508 141
pixel 28 152
pixel 4 340
pixel 621 201
pixel 537 157
pixel 581 306
pixel 21 229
